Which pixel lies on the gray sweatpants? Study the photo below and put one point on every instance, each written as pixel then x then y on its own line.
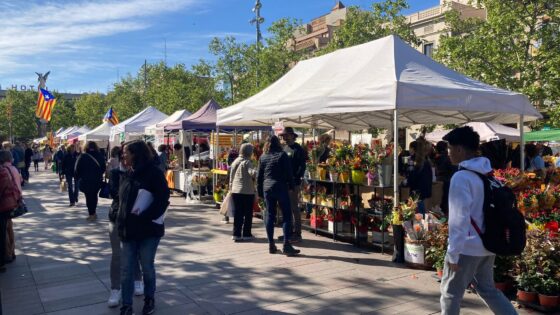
pixel 115 269
pixel 294 203
pixel 478 270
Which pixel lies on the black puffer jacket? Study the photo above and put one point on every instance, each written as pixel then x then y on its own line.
pixel 114 183
pixel 138 227
pixel 275 172
pixel 69 163
pixel 90 168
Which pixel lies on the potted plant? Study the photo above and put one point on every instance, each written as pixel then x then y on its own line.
pixel 502 273
pixel 436 248
pixel 548 292
pixel 526 287
pixel 334 220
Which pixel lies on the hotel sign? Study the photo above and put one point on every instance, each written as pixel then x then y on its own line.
pixel 19 87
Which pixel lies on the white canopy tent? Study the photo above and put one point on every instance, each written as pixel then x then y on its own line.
pixel 99 133
pixel 67 131
pixel 487 132
pixel 159 127
pixel 75 133
pixel 136 124
pixel 383 83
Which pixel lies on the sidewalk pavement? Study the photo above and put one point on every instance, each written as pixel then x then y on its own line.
pixel 62 268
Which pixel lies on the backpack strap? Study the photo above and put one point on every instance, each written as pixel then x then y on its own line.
pixel 484 178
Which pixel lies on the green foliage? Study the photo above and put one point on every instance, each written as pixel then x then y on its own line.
pixel 362 26
pixel 64 113
pixel 90 109
pixel 126 96
pixel 24 123
pixel 514 49
pixel 503 266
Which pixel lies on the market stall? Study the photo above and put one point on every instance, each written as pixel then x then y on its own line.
pixel 157 130
pixel 388 84
pixel 134 127
pixel 488 132
pixel 543 135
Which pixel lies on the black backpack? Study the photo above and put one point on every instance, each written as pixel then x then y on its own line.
pixel 505 226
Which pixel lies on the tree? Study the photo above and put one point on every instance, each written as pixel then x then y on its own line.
pixel 231 64
pixel 90 109
pixel 64 113
pixel 362 26
pixel 515 48
pixel 24 123
pixel 126 97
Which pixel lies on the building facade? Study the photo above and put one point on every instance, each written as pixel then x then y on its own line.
pixel 428 25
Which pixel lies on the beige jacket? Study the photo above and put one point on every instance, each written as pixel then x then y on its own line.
pixel 242 177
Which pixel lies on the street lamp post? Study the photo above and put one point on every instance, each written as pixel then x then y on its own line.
pixel 257 21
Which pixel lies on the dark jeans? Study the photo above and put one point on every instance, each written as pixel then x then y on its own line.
pixel 243 214
pixel 145 250
pixel 273 198
pixel 25 172
pixel 91 201
pixel 73 190
pixel 3 237
pixel 36 165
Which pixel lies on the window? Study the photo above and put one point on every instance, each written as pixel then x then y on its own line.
pixel 428 49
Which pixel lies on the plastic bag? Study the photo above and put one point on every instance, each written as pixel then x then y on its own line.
pixel 227 206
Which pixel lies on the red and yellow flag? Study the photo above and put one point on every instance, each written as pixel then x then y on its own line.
pixel 45 105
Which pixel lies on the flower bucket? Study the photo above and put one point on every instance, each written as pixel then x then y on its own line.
pixel 527 297
pixel 306 198
pixel 333 176
pixel 315 221
pixel 358 176
pixel 344 177
pixel 414 253
pixel 549 301
pixel 385 175
pixel 332 226
pixel 322 172
pixel 329 202
pixel 217 197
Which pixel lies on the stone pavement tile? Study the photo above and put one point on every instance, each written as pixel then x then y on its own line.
pixel 72 293
pixel 57 272
pixel 16 277
pixel 21 301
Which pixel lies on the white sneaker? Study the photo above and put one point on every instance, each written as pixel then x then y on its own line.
pixel 114 298
pixel 138 288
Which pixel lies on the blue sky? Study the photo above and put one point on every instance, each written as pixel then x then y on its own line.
pixel 87 44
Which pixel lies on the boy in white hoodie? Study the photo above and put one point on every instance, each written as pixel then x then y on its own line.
pixel 467 261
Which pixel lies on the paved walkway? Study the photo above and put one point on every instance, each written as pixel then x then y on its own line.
pixel 62 267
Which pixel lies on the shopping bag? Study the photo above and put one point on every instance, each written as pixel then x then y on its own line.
pixel 20 210
pixel 227 206
pixel 53 168
pixel 63 186
pixel 105 192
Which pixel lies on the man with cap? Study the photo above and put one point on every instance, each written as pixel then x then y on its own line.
pixel 297 157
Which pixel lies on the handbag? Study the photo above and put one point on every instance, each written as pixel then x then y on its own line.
pixel 20 210
pixel 63 186
pixel 227 208
pixel 105 191
pixel 21 207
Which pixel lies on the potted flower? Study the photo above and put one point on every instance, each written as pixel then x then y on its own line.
pixel 358 175
pixel 548 289
pixel 344 173
pixel 526 287
pixel 316 219
pixel 335 219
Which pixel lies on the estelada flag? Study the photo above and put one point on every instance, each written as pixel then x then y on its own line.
pixel 45 105
pixel 111 116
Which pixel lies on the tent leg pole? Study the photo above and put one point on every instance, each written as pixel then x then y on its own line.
pixel 395 157
pixel 522 143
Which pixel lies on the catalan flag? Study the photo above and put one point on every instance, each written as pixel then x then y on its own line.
pixel 45 105
pixel 111 117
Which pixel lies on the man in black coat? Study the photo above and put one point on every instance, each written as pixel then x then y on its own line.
pixel 297 157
